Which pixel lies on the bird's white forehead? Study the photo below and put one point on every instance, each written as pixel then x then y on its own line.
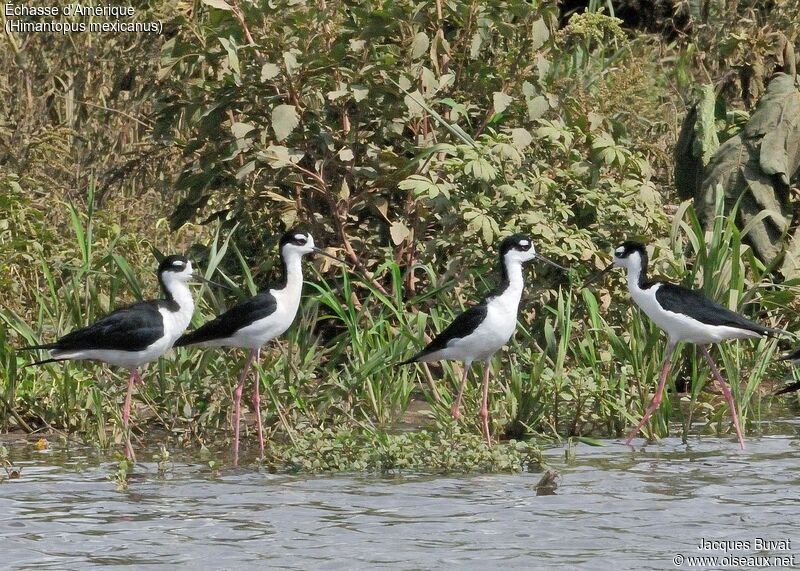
pixel 299 237
pixel 177 263
pixel 619 251
pixel 524 242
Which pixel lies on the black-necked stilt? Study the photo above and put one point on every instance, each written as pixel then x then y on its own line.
pixel 794 357
pixel 684 315
pixel 254 321
pixel 132 336
pixel 482 329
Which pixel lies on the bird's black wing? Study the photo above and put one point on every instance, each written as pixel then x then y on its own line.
pixel 132 328
pixel 695 304
pixel 226 325
pixel 461 326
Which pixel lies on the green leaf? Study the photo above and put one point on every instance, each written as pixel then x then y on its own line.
pixel 475 45
pixel 399 232
pixel 218 4
pixel 360 92
pixel 290 61
pixel 521 138
pixel 278 156
pixel 537 107
pixel 284 121
pixel 481 169
pixel 420 45
pixel 269 70
pixel 540 33
pixel 501 101
pixel 233 56
pixel 245 170
pixel 239 130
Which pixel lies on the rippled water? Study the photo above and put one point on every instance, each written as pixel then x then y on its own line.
pixel 617 507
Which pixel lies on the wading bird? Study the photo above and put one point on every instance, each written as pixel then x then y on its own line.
pixel 484 328
pixel 132 336
pixel 684 315
pixel 256 320
pixel 794 357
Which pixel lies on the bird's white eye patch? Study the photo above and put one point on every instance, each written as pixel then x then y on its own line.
pixel 177 263
pixel 619 251
pixel 524 243
pixel 300 237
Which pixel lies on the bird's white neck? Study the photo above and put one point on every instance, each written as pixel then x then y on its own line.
pixel 513 291
pixel 289 292
pixel 293 272
pixel 635 274
pixel 177 291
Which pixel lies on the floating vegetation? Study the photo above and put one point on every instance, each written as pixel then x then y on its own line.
pixel 444 451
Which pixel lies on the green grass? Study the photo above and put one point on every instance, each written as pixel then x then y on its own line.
pixel 584 364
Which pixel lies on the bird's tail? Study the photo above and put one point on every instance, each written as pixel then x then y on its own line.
pixel 46 346
pixel 407 361
pixel 788 389
pixel 184 340
pixel 43 346
pixel 44 361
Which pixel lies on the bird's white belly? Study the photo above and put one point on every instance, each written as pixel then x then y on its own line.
pixel 485 340
pixel 259 332
pixel 680 327
pixel 126 359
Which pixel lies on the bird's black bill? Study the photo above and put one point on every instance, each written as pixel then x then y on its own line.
pixel 597 275
pixel 326 254
pixel 551 262
pixel 200 278
pixel 795 386
pixel 793 356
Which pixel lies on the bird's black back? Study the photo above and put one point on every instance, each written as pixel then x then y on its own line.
pixel 461 327
pixel 131 328
pixel 226 325
pixel 696 305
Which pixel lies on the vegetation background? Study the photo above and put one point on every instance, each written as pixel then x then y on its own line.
pixel 409 137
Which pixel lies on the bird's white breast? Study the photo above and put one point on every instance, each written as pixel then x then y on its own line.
pixel 276 323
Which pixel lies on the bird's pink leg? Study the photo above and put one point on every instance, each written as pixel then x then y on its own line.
pixel 126 413
pixel 257 405
pixel 651 408
pixel 456 410
pixel 484 412
pixel 725 391
pixel 237 406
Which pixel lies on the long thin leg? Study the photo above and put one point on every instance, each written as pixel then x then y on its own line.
pixel 257 405
pixel 456 410
pixel 725 391
pixel 662 381
pixel 237 405
pixel 126 414
pixel 484 412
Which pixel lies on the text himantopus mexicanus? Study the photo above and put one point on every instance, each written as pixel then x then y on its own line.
pixel 482 329
pixel 254 321
pixel 132 336
pixel 684 315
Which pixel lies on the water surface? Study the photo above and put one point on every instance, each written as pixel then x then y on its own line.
pixel 617 507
